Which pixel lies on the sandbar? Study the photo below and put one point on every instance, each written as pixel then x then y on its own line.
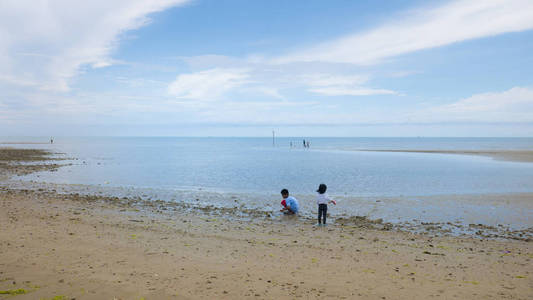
pixel 507 155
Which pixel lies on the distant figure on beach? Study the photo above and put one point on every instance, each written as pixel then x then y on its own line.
pixel 51 140
pixel 289 203
pixel 323 200
pixel 304 143
pixel 307 144
pixel 291 144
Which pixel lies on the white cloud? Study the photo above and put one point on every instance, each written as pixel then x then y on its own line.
pixel 45 43
pixel 340 85
pixel 324 79
pixel 209 84
pixel 513 105
pixel 347 91
pixel 415 30
pixel 422 29
pixel 265 90
pixel 255 81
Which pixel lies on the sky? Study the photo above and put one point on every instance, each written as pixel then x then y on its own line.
pixel 244 68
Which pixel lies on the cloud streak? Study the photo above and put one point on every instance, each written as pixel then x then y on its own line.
pixel 414 30
pixel 341 85
pixel 347 91
pixel 209 84
pixel 422 29
pixel 45 43
pixel 513 105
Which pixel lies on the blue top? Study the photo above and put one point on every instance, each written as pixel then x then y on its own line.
pixel 293 203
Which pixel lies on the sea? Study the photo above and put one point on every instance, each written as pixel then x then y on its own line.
pixel 250 172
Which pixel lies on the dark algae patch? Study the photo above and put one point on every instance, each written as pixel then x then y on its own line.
pixel 364 222
pixel 12 154
pixel 25 161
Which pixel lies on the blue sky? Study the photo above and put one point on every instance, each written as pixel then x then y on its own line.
pixel 244 68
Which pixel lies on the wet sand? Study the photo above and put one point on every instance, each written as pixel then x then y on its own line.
pixel 96 247
pixel 506 155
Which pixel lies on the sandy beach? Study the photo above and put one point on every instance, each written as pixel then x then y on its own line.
pixel 506 155
pixel 72 246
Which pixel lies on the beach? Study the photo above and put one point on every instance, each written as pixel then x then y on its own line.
pixel 191 149
pixel 98 247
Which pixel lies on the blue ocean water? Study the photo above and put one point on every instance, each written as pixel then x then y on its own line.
pixel 175 168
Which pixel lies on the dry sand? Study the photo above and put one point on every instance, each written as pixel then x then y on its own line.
pixel 93 247
pixel 507 155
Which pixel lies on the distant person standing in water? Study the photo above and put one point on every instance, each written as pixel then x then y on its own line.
pixel 304 143
pixel 322 200
pixel 291 205
pixel 51 140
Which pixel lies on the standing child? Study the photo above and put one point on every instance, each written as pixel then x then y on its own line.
pixel 322 200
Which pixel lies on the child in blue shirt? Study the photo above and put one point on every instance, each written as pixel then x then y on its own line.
pixel 291 203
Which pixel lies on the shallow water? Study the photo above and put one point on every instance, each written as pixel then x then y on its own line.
pixel 393 186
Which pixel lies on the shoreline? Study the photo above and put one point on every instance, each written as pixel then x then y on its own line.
pixel 446 227
pixel 504 155
pixel 30 160
pixel 98 247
